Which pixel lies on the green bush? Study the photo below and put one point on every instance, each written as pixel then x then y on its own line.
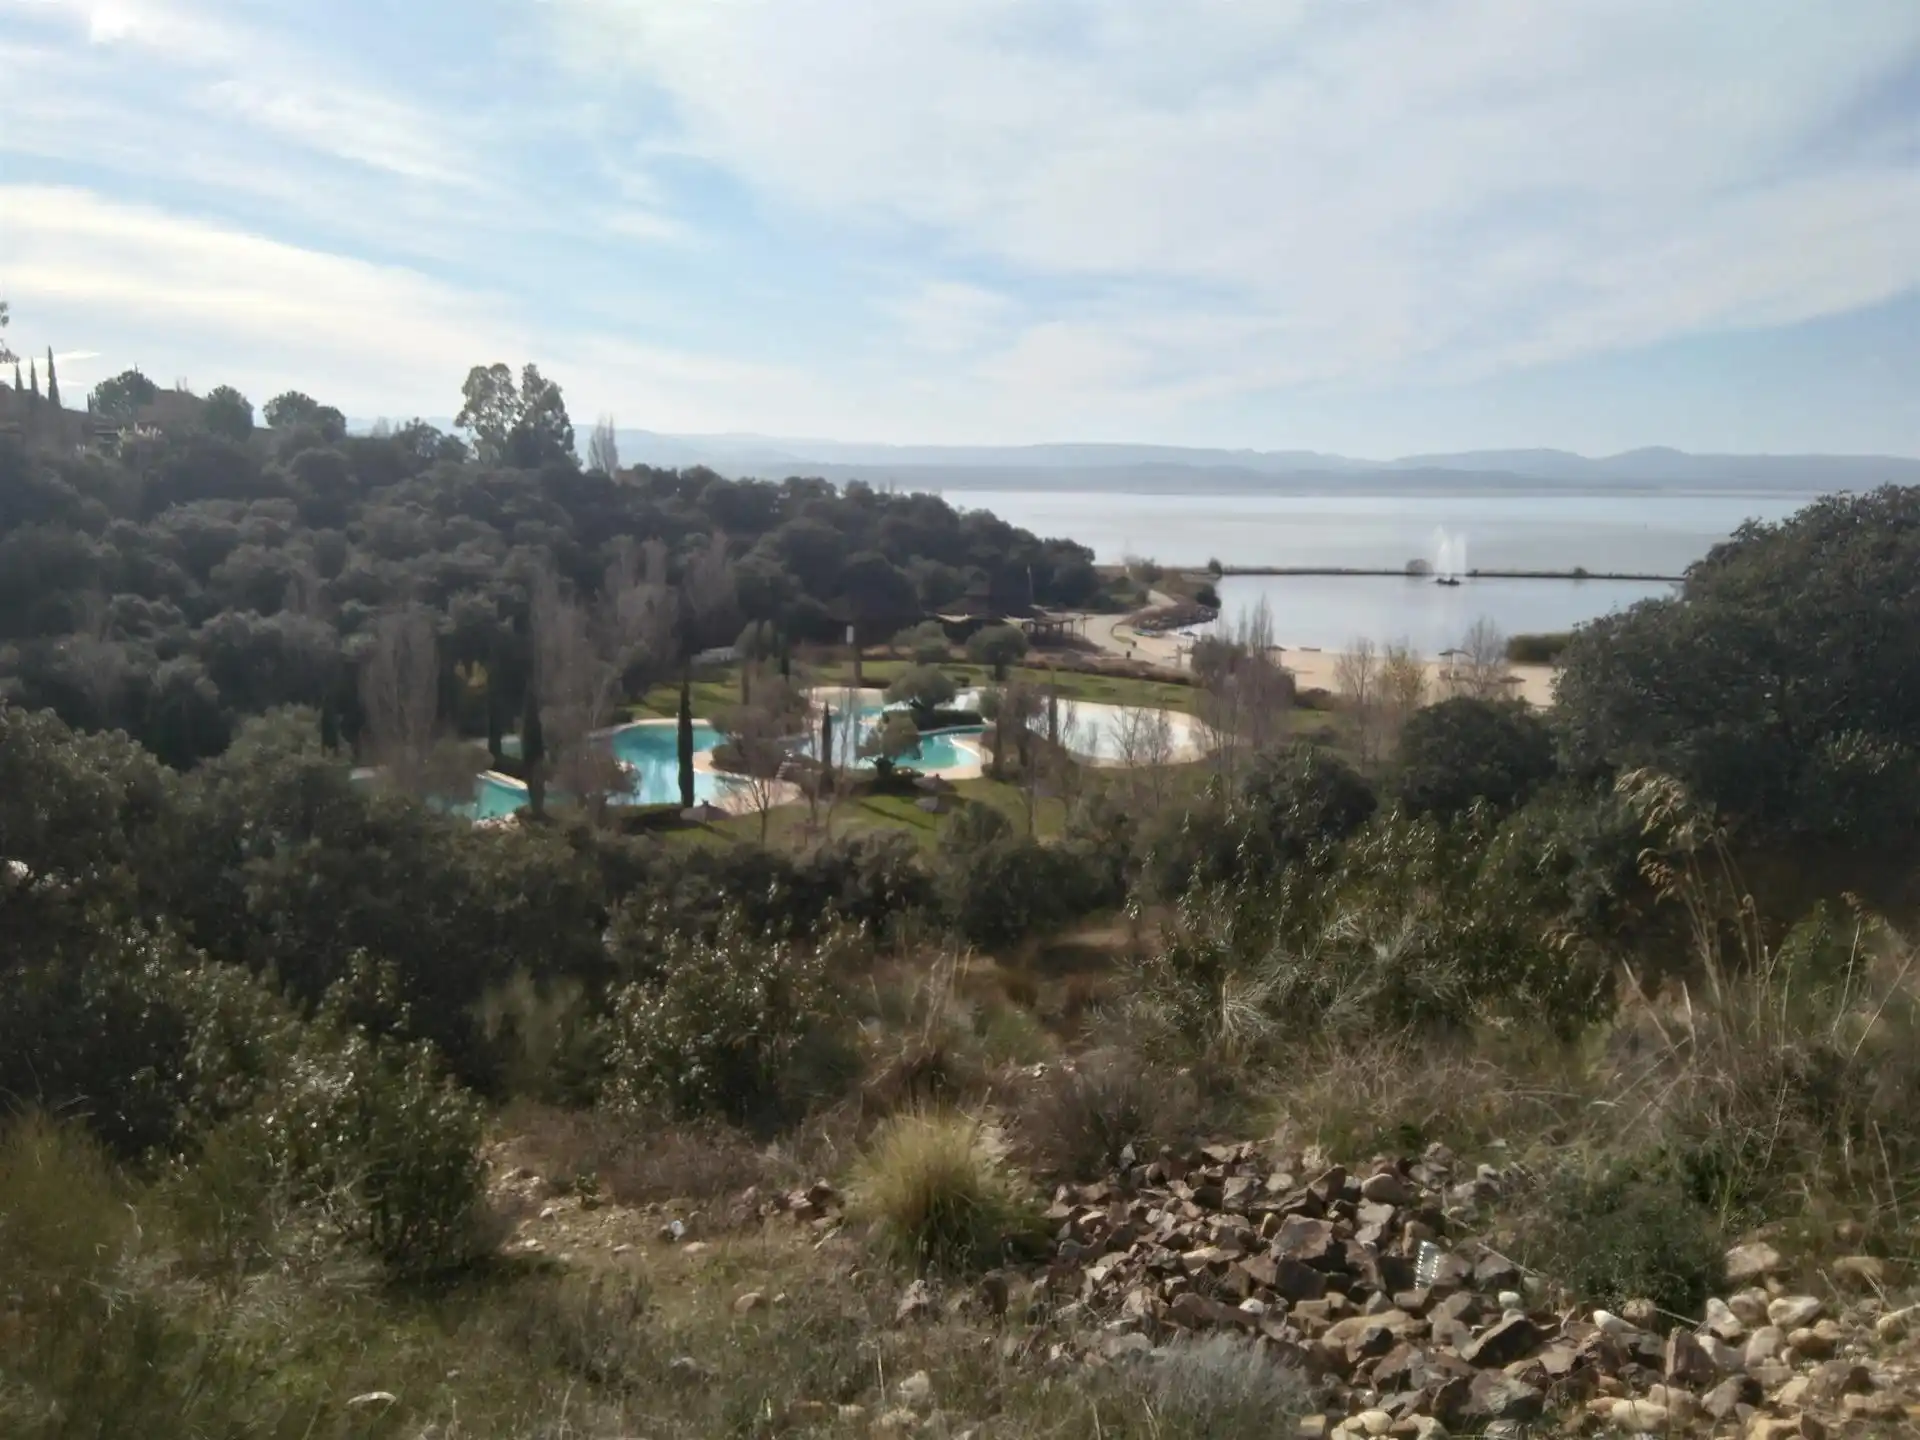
pixel 1292 809
pixel 736 1026
pixel 1544 649
pixel 923 687
pixel 997 646
pixel 1619 1232
pixel 1467 751
pixel 926 643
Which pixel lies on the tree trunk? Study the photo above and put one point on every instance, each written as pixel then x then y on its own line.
pixel 533 757
pixel 826 740
pixel 686 741
pixel 495 739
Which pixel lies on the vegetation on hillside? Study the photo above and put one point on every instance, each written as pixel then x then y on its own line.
pixel 261 1026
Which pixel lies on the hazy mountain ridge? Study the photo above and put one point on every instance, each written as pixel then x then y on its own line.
pixel 1173 469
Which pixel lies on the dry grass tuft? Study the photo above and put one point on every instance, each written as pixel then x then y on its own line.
pixel 1079 1119
pixel 940 1193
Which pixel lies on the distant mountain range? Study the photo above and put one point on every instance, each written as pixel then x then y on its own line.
pixel 1172 469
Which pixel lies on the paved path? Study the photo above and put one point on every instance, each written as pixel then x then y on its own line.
pixel 1114 635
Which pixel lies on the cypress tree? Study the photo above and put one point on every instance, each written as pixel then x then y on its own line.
pixel 18 384
pixel 533 755
pixel 53 382
pixel 826 736
pixel 686 741
pixel 33 379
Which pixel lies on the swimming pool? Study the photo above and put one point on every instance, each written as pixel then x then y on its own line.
pixel 652 752
pixel 1095 731
pixel 939 749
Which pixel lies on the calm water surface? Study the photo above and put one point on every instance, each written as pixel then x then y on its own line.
pixel 1646 532
pixel 1639 531
pixel 1326 612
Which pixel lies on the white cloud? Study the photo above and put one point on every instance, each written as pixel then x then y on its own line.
pixel 945 317
pixel 1366 190
pixel 963 218
pixel 244 75
pixel 185 298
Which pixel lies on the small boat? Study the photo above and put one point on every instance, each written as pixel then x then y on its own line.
pixel 1448 580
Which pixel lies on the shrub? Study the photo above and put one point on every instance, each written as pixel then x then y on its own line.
pixel 998 646
pixel 723 1026
pixel 1464 750
pixel 940 1194
pixel 1221 1387
pixel 924 687
pixel 1619 1232
pixel 926 643
pixel 1083 1115
pixel 1538 649
pixel 1009 889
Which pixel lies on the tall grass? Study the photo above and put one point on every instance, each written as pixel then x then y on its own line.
pixel 938 1189
pixel 1781 1077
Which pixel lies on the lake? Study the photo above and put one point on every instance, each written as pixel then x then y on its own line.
pixel 1325 612
pixel 1642 531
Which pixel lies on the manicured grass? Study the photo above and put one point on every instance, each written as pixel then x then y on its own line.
pixel 1073 684
pixel 787 824
pixel 713 692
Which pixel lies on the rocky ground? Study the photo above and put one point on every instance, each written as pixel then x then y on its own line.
pixel 1370 1282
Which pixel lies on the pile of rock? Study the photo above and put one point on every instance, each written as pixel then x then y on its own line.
pixel 1353 1278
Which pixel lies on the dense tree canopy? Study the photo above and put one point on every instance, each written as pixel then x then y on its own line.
pixel 208 572
pixel 1466 749
pixel 1780 685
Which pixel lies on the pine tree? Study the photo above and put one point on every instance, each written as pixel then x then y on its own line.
pixel 53 382
pixel 18 386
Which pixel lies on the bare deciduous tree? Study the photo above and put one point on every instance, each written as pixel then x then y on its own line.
pixel 400 697
pixel 1478 665
pixel 575 684
pixel 603 449
pixel 637 614
pixel 1356 675
pixel 1246 692
pixel 1144 740
pixel 1403 689
pixel 761 738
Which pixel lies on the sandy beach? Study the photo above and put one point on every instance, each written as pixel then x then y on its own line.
pixel 1313 669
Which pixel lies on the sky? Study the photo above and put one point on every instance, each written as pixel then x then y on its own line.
pixel 1376 227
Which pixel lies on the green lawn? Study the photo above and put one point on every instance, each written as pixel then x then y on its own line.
pixel 787 824
pixel 1073 684
pixel 717 690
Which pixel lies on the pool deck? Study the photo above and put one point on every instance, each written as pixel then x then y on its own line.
pixel 738 799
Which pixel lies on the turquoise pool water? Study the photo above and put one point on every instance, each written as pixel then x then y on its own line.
pixel 939 750
pixel 652 751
